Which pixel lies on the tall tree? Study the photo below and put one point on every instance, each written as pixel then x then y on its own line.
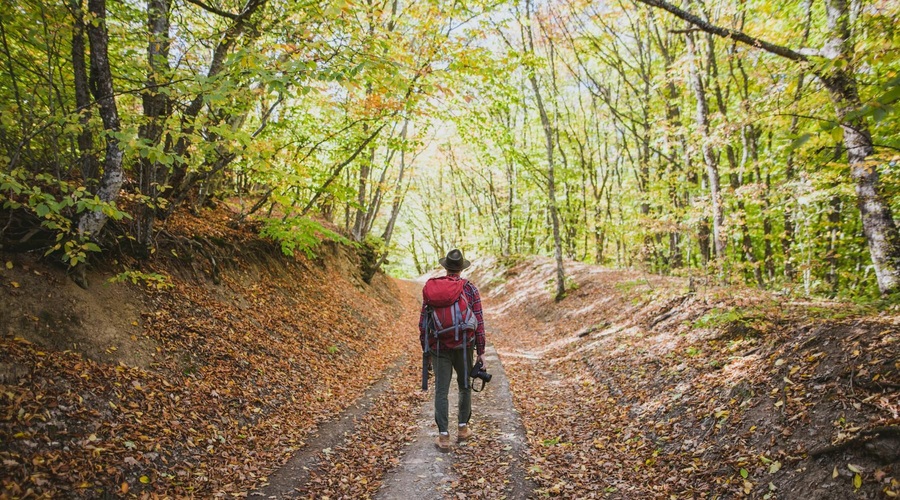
pixel 101 82
pixel 549 136
pixel 840 81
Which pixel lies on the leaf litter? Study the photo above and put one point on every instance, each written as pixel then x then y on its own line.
pixel 243 372
pixel 631 387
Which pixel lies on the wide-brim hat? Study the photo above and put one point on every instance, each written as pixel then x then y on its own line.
pixel 454 261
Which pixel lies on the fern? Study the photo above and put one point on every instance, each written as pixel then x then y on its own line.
pixel 299 234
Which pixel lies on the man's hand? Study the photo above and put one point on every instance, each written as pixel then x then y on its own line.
pixel 480 359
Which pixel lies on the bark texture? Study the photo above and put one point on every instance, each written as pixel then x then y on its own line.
pixel 91 222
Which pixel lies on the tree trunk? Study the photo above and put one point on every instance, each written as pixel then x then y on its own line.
pixel 87 161
pixel 831 256
pixel 399 195
pixel 877 219
pixel 551 179
pixel 92 221
pixel 155 105
pixel 709 157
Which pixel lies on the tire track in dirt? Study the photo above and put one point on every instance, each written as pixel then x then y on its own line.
pixel 425 473
pixel 490 465
pixel 284 482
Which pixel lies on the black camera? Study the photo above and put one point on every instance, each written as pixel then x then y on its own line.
pixel 479 373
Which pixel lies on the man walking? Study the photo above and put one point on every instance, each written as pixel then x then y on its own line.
pixel 450 326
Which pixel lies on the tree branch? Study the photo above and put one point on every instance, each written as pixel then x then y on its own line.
pixel 214 10
pixel 739 36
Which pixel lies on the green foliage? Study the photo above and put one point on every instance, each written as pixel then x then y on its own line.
pixel 153 281
pixel 299 234
pixel 717 318
pixel 631 286
pixel 56 204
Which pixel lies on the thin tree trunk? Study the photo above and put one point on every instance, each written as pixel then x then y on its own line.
pixel 551 179
pixel 709 157
pixel 399 196
pixel 156 106
pixel 87 160
pixel 831 255
pixel 91 221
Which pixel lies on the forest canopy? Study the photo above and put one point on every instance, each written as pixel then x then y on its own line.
pixel 734 140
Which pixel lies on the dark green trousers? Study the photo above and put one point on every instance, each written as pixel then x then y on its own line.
pixel 445 362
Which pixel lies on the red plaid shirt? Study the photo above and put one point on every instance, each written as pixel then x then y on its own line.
pixel 474 300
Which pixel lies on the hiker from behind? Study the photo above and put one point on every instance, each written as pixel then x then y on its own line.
pixel 451 327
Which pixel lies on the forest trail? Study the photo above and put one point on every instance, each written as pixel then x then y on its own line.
pixel 285 481
pixel 428 474
pixel 420 470
pixel 630 387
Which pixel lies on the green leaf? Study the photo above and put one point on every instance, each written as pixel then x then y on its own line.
pixel 744 473
pixel 799 141
pixel 890 96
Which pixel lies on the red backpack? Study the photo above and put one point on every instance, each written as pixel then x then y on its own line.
pixel 451 322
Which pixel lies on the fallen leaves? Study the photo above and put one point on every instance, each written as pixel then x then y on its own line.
pixel 662 408
pixel 243 371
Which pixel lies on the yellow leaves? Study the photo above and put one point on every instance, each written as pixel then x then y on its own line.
pixel 9 264
pixel 144 480
pixel 748 487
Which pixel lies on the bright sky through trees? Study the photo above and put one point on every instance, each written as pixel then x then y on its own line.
pixel 743 141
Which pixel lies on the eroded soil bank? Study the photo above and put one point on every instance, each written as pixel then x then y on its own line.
pixel 202 389
pixel 634 387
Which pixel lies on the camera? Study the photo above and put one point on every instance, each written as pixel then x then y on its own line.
pixel 479 373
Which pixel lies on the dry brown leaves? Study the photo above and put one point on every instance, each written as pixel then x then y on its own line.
pixel 355 468
pixel 244 372
pixel 482 464
pixel 723 393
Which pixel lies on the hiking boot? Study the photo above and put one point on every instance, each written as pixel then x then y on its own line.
pixel 443 442
pixel 463 433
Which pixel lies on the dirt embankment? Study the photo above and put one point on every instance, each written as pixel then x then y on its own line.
pixel 200 389
pixel 634 387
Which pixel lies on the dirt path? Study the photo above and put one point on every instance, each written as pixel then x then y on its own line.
pixel 421 471
pixel 428 474
pixel 296 471
pixel 490 465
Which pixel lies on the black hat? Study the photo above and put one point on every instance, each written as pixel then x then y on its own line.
pixel 454 261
